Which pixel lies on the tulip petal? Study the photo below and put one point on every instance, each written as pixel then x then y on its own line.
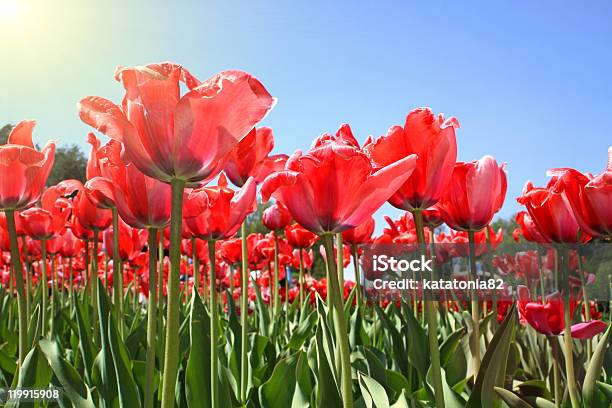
pixel 211 119
pixel 588 330
pixel 377 188
pixel 241 205
pixel 22 133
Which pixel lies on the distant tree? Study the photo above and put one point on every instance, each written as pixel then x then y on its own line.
pixel 70 163
pixel 4 133
pixel 254 222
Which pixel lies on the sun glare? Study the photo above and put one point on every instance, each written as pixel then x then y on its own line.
pixel 10 9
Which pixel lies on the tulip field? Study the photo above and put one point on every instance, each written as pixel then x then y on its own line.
pixel 194 268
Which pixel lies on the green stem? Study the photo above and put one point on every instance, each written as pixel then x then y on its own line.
pixel 45 287
pixel 494 291
pixel 301 277
pixel 117 278
pixel 587 308
pixel 71 289
pixel 160 299
pixel 151 318
pixel 339 248
pixel 432 320
pixel 339 323
pixel 567 335
pixel 106 270
pixel 554 344
pixel 85 281
pixel 357 273
pixel 28 276
pixel 18 273
pixel 244 280
pixel 171 357
pixel 93 276
pixel 275 286
pixel 541 275
pixel 475 339
pixel 196 265
pixel 62 290
pixel 136 292
pixel 53 295
pixel 214 328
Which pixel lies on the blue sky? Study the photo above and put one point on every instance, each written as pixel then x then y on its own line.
pixel 530 83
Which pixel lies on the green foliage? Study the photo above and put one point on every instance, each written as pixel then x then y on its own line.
pixel 70 163
pixel 4 133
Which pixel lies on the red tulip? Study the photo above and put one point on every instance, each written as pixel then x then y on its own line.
pixel 276 217
pixel 265 247
pixel 5 244
pixel 88 214
pixel 432 139
pixel 551 213
pixel 71 245
pixel 346 254
pixel 168 136
pixel 23 169
pixel 461 241
pixel 201 251
pixel 131 241
pixel 231 251
pixel 51 219
pixel 100 164
pixel 334 187
pixel 250 157
pixel 298 237
pixel 589 198
pixel 217 212
pixel 475 193
pixel 548 318
pixel 141 201
pixel 53 245
pixel 78 230
pixel 307 259
pixel 528 229
pixel 361 234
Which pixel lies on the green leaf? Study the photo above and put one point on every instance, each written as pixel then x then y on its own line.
pixel 401 401
pixel 510 398
pixel 197 374
pixel 327 389
pixel 606 389
pixel 73 386
pixel 128 390
pixel 106 381
pixel 35 373
pixel 594 370
pixel 400 356
pixel 265 327
pixel 86 346
pixel 33 332
pixel 373 392
pixel 376 368
pixel 304 386
pixel 7 363
pixel 451 398
pixel 397 382
pixel 450 345
pixel 418 342
pixel 303 331
pixel 483 394
pixel 139 369
pixel 278 391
